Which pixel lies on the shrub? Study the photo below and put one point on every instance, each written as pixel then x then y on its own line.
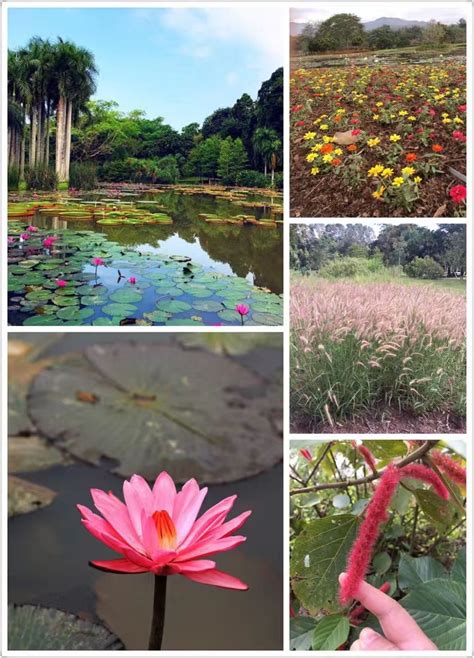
pixel 41 177
pixel 342 268
pixel 424 268
pixel 13 177
pixel 116 171
pixel 83 176
pixel 251 178
pixel 279 180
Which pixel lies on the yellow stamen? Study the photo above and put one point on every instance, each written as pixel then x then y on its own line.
pixel 167 537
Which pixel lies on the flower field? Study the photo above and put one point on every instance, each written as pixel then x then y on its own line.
pixel 379 141
pixel 366 351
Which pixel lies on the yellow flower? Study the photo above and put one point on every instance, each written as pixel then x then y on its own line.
pixel 309 135
pixel 402 113
pixel 375 117
pixel 408 171
pixel 387 172
pixel 311 156
pixel 375 170
pixel 411 118
pixel 398 181
pixel 458 120
pixel 373 141
pixel 447 120
pixel 327 157
pixel 395 138
pixel 337 152
pixel 417 179
pixel 317 147
pixel 324 126
pixel 378 193
pixel 315 170
pixel 341 110
pixel 327 139
pixel 379 104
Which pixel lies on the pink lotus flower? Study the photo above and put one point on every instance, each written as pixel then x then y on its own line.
pixel 49 241
pixel 24 236
pixel 11 239
pixel 32 229
pixel 156 530
pixel 97 261
pixel 242 309
pixel 132 280
pixel 61 283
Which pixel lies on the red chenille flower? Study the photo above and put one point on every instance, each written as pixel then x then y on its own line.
pixel 424 473
pixel 449 467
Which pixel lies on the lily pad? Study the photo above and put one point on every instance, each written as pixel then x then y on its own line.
pixel 24 496
pixel 156 316
pixel 31 454
pixel 34 628
pixel 126 296
pixel 209 306
pixel 173 306
pixel 75 313
pixel 119 310
pixel 229 316
pixel 153 412
pixel 268 319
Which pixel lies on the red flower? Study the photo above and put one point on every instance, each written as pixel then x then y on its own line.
pixel 327 148
pixel 299 123
pixel 355 132
pixel 366 454
pixel 432 112
pixel 424 473
pixel 411 157
pixel 437 148
pixel 458 193
pixel 361 552
pixel 459 136
pixel 462 108
pixel 296 108
pixel 335 162
pixel 304 452
pixel 354 121
pixel 449 466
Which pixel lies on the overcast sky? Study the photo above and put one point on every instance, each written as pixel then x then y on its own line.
pixel 446 12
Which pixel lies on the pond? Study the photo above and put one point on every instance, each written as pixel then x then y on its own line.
pixel 221 240
pixel 49 549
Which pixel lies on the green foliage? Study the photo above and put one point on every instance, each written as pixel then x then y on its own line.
pixel 41 177
pixel 251 178
pixel 424 268
pixel 83 176
pixel 232 160
pixel 330 633
pixel 345 268
pixel 13 177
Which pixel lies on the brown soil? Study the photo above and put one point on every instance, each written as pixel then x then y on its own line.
pixel 387 422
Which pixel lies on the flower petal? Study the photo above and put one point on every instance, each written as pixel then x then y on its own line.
pixel 226 529
pixel 115 512
pixel 137 496
pixel 120 566
pixel 191 567
pixel 186 507
pixel 209 547
pixel 164 493
pixel 216 578
pixel 213 517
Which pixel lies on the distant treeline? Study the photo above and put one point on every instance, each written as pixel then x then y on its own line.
pixel 346 32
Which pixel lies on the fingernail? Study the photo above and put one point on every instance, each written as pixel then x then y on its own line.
pixel 367 637
pixel 342 577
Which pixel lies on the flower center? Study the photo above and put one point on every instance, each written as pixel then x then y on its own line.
pixel 167 537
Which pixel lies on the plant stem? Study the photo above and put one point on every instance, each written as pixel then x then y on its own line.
pixel 413 530
pixel 158 620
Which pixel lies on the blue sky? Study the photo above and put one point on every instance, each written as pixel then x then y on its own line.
pixel 180 64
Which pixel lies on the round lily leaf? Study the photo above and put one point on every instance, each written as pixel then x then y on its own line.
pixel 209 306
pixel 228 315
pixel 119 310
pixel 41 320
pixel 156 316
pixel 152 412
pixel 173 306
pixel 34 628
pixel 92 300
pixel 126 296
pixel 25 496
pixel 268 319
pixel 64 300
pixel 74 313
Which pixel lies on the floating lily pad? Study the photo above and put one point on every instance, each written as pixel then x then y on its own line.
pixel 153 412
pixel 34 628
pixel 173 306
pixel 24 496
pixel 169 291
pixel 126 296
pixel 45 319
pixel 267 319
pixel 119 310
pixel 228 315
pixel 92 300
pixel 74 313
pixel 157 316
pixel 62 300
pixel 32 454
pixel 210 306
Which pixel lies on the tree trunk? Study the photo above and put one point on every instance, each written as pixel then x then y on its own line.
pixel 10 131
pixel 273 176
pixel 59 136
pixel 46 146
pixel 265 167
pixel 68 140
pixel 22 157
pixel 33 136
pixel 17 149
pixel 39 137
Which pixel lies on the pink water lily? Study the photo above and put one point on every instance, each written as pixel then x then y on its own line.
pixel 157 530
pixel 24 236
pixel 32 229
pixel 242 310
pixel 61 283
pixel 49 241
pixel 132 280
pixel 97 261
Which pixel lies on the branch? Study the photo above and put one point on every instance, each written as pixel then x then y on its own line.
pixel 413 456
pixel 316 466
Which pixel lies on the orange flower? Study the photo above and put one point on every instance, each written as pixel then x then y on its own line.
pixel 336 162
pixel 337 118
pixel 437 148
pixel 352 147
pixel 411 157
pixel 327 148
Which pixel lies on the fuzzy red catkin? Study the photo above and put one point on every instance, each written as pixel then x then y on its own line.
pixel 368 456
pixel 304 452
pixel 424 473
pixel 449 466
pixel 361 552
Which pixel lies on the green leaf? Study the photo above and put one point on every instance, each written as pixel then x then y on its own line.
pixel 330 633
pixel 439 511
pixel 413 571
pixel 319 555
pixel 439 608
pixel 382 562
pixel 458 572
pixel 301 633
pixel 33 628
pixel 386 450
pixel 402 498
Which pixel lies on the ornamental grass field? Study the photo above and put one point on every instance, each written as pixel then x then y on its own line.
pixel 379 141
pixel 376 356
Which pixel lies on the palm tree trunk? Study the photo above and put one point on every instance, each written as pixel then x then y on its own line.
pixel 17 148
pixel 59 136
pixel 33 136
pixel 10 130
pixel 22 156
pixel 265 167
pixel 39 136
pixel 68 140
pixel 46 146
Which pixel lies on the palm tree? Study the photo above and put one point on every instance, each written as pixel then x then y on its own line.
pixel 267 145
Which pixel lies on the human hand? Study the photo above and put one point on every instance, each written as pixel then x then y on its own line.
pixel 400 629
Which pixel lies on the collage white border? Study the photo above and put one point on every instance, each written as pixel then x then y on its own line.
pixel 5 4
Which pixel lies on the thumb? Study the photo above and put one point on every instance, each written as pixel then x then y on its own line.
pixel 369 640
